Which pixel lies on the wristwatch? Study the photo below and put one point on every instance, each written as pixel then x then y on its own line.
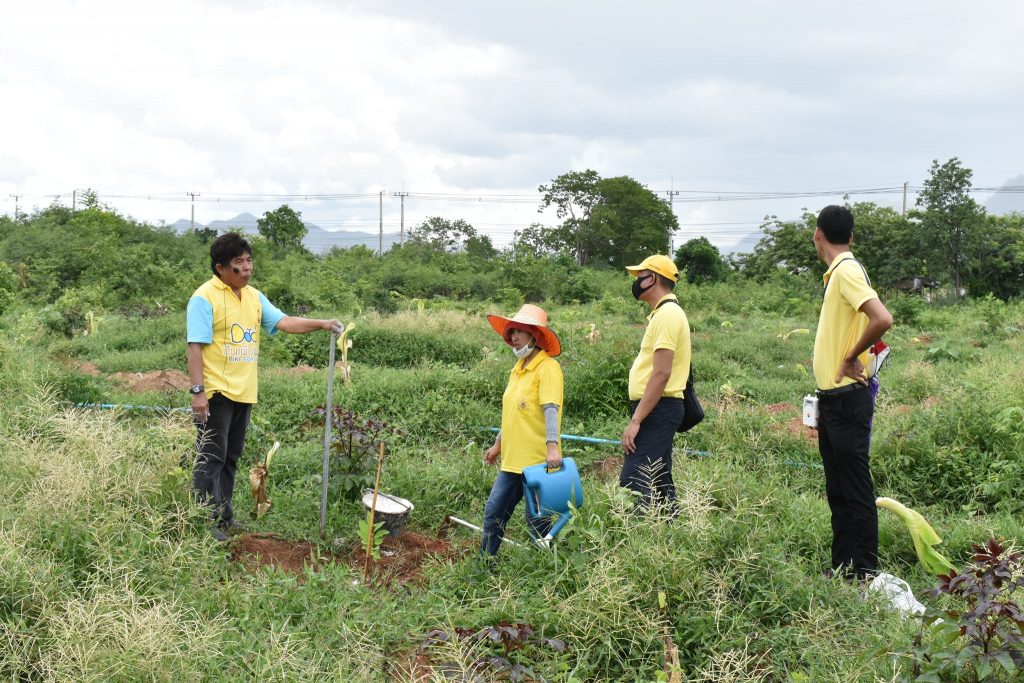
pixel 196 389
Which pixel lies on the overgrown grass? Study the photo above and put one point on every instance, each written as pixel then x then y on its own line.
pixel 106 572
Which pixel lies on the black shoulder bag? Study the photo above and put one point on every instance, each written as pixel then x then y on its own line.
pixel 693 412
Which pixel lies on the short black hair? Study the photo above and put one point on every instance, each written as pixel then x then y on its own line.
pixel 666 281
pixel 227 248
pixel 836 224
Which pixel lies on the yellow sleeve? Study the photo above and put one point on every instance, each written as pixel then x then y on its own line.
pixel 549 376
pixel 667 331
pixel 854 287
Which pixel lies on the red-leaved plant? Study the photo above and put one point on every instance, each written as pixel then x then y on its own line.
pixel 495 646
pixel 984 639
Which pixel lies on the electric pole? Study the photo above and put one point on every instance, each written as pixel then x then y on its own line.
pixel 74 199
pixel 193 195
pixel 380 215
pixel 672 236
pixel 904 199
pixel 16 198
pixel 401 225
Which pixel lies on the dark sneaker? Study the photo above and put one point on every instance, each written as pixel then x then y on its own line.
pixel 218 534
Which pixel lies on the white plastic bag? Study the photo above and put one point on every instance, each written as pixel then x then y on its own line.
pixel 897 593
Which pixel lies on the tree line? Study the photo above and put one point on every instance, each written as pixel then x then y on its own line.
pixel 97 258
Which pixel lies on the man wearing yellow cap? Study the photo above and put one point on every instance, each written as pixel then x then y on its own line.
pixel 656 383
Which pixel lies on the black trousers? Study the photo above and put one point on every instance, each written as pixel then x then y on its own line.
pixel 648 470
pixel 219 445
pixel 844 440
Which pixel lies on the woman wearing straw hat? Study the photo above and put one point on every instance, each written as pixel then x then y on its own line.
pixel 530 419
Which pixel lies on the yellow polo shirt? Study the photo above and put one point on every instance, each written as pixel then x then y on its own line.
pixel 229 328
pixel 523 441
pixel 840 323
pixel 667 328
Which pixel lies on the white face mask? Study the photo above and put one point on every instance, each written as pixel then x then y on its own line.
pixel 523 352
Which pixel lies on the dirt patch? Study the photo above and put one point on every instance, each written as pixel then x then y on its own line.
pixel 402 558
pixel 776 408
pixel 607 468
pixel 155 380
pixel 254 551
pixel 931 402
pixel 401 561
pixel 924 338
pixel 85 367
pixel 796 427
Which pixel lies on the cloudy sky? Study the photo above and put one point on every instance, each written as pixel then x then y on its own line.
pixel 469 106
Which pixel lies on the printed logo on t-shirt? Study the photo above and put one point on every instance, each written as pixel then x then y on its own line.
pixel 242 346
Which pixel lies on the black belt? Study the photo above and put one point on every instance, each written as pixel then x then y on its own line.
pixel 846 388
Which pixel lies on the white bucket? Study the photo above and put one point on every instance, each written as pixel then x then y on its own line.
pixel 391 510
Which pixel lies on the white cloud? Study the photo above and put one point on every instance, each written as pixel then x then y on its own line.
pixel 268 97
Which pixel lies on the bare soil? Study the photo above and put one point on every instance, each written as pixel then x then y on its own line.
pixel 155 380
pixel 84 366
pixel 777 408
pixel 796 427
pixel 402 558
pixel 607 468
pixel 401 561
pixel 254 551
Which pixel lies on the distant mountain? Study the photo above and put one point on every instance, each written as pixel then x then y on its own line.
pixel 320 241
pixel 1007 200
pixel 245 222
pixel 317 240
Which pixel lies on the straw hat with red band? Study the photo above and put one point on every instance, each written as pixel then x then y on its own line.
pixel 534 320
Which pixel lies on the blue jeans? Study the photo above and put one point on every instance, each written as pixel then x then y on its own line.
pixel 506 493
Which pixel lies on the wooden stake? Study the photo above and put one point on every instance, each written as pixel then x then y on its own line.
pixel 373 508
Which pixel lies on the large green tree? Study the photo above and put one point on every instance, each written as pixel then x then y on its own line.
pixel 786 245
pixel 443 235
pixel 283 227
pixel 701 261
pixel 997 266
pixel 887 243
pixel 952 221
pixel 614 221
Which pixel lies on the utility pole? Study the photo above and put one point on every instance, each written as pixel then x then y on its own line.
pixel 193 195
pixel 401 225
pixel 905 199
pixel 671 237
pixel 16 198
pixel 74 199
pixel 380 215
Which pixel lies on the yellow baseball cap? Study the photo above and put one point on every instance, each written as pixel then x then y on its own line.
pixel 658 263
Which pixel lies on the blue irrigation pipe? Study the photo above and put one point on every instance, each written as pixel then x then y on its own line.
pixel 130 406
pixel 594 439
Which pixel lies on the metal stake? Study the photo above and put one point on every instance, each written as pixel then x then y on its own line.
pixel 327 436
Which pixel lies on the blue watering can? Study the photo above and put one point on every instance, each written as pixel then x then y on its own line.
pixel 549 492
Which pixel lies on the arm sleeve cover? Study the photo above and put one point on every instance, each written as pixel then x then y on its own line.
pixel 550 422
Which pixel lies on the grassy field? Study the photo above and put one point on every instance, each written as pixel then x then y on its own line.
pixel 108 575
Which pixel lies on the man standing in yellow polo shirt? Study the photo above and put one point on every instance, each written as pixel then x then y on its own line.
pixel 225 318
pixel 656 383
pixel 852 319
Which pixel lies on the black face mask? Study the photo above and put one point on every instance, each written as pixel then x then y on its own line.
pixel 638 291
